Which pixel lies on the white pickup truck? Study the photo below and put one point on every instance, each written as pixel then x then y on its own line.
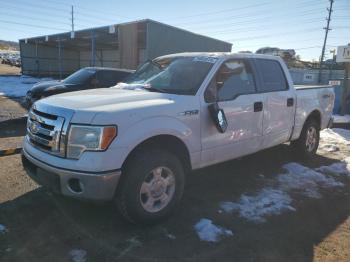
pixel 134 143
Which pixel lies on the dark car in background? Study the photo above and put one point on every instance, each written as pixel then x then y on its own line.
pixel 85 78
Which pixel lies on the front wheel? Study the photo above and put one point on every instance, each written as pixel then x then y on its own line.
pixel 151 187
pixel 309 139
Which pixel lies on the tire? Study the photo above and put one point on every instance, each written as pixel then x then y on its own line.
pixel 307 144
pixel 151 187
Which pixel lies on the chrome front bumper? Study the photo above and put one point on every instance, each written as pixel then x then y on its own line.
pixel 72 183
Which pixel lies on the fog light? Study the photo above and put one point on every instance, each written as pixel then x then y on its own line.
pixel 75 185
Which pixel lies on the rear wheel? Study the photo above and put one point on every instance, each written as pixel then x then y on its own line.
pixel 151 187
pixel 308 142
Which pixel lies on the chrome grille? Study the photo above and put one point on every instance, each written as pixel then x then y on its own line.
pixel 44 131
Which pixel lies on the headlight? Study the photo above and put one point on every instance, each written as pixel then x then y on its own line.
pixel 89 138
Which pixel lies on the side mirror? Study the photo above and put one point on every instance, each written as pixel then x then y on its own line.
pixel 218 116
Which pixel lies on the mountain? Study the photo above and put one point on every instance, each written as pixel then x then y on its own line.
pixel 9 45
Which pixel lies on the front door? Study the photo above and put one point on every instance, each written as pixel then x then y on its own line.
pixel 234 88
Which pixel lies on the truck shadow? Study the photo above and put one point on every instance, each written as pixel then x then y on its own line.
pixel 13 127
pixel 44 227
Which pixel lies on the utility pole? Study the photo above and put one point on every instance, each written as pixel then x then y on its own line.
pixel 330 10
pixel 72 13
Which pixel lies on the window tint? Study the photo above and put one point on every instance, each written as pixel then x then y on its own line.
pixel 234 78
pixel 272 76
pixel 106 78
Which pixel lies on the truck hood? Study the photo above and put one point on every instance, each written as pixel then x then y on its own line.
pixel 86 104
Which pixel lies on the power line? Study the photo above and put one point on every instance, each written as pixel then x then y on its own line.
pixel 26 8
pixel 88 9
pixel 218 21
pixel 43 7
pixel 11 14
pixel 220 11
pixel 31 25
pixel 239 8
pixel 271 35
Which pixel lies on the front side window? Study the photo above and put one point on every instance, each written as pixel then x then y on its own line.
pixel 179 75
pixel 272 76
pixel 234 78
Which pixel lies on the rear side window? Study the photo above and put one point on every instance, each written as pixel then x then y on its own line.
pixel 272 76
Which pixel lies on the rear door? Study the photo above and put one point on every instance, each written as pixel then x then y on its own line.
pixel 279 102
pixel 243 108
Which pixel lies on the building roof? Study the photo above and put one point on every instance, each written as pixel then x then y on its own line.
pixel 102 32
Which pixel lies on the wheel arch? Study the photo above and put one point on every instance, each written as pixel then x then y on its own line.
pixel 170 143
pixel 314 115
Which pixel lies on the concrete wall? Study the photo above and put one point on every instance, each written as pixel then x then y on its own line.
pixel 163 39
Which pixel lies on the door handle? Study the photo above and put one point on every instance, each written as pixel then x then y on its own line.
pixel 258 106
pixel 290 102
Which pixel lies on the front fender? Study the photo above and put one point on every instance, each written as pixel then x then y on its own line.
pixel 130 137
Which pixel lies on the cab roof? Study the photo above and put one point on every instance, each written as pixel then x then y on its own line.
pixel 219 55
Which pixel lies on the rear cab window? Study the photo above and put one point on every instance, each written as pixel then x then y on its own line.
pixel 272 76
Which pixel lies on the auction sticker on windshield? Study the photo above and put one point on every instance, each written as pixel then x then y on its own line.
pixel 206 59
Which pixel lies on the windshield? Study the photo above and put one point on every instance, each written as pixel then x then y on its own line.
pixel 180 75
pixel 80 77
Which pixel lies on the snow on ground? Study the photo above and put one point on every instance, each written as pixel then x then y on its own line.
pixel 335 135
pixel 3 229
pixel 17 86
pixel 78 255
pixel 277 199
pixel 297 179
pixel 171 236
pixel 340 168
pixel 305 181
pixel 207 231
pixel 341 119
pixel 329 148
pixel 267 202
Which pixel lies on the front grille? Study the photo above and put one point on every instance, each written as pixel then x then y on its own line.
pixel 44 131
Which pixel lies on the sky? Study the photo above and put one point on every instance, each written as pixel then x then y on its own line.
pixel 247 24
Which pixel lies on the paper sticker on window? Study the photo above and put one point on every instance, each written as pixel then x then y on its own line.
pixel 205 59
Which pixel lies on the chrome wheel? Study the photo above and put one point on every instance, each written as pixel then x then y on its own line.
pixel 311 139
pixel 157 189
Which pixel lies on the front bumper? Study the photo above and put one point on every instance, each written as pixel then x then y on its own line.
pixel 72 183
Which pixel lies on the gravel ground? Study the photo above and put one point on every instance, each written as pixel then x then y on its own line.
pixel 11 108
pixel 9 70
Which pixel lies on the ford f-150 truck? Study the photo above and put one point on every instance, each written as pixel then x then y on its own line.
pixel 134 143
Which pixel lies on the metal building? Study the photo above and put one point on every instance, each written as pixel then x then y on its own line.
pixel 120 46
